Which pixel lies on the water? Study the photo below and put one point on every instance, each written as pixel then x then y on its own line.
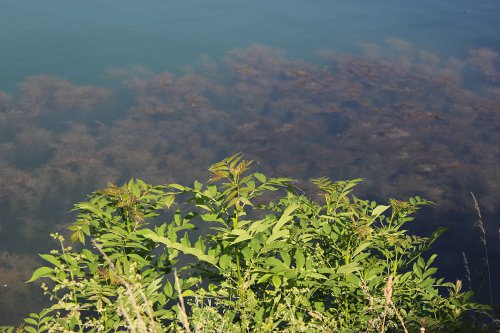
pixel 405 94
pixel 78 41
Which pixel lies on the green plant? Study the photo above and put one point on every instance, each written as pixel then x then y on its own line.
pixel 268 258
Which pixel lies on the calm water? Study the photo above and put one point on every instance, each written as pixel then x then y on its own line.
pixel 78 41
pixel 403 93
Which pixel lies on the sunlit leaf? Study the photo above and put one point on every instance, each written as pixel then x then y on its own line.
pixel 168 200
pixel 242 235
pixel 377 211
pixel 178 246
pixel 259 226
pixel 260 177
pixel 178 187
pixel 276 281
pixel 41 272
pixel 360 248
pixel 50 258
pixel 285 217
pixel 277 235
pixel 168 289
pixel 30 329
pixel 349 268
pixel 299 259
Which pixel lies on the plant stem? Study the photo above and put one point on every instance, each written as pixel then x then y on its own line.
pixel 480 225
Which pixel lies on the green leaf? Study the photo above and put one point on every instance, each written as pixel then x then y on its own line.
pixel 168 200
pixel 247 252
pixel 438 233
pixel 319 306
pixel 326 228
pixel 50 258
pixel 211 191
pixel 377 211
pixel 259 226
pixel 327 270
pixel 349 268
pixel 374 272
pixel 31 321
pixel 314 275
pixel 211 217
pixel 242 235
pixel 153 286
pixel 268 187
pixel 276 281
pixel 178 187
pixel 360 248
pixel 421 262
pixel 89 207
pixel 41 272
pixel 417 270
pixel 168 289
pixel 274 246
pixel 197 185
pixel 260 177
pixel 276 235
pixel 353 280
pixel 165 314
pixel 264 278
pixel 429 272
pixel 178 246
pixel 286 258
pixel 271 261
pixel 426 283
pixel 245 201
pixel 299 259
pixel 285 217
pixel 137 258
pixel 224 261
pixel 188 293
pixel 78 236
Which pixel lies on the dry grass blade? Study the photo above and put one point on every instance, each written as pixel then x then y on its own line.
pixel 182 309
pixel 388 302
pixel 482 229
pixel 139 323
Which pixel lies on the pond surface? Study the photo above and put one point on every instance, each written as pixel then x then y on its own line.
pixel 403 94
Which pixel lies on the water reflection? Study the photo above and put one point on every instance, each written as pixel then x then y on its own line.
pixel 405 119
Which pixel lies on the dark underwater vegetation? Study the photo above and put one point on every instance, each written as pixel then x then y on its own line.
pixel 406 120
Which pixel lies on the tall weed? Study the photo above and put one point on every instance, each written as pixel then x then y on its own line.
pixel 273 260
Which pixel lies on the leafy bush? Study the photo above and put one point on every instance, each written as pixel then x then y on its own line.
pixel 268 258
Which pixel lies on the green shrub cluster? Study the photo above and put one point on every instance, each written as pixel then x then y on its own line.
pixel 273 260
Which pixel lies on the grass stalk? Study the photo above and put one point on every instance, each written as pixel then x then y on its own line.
pixel 388 302
pixel 143 327
pixel 182 308
pixel 480 225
